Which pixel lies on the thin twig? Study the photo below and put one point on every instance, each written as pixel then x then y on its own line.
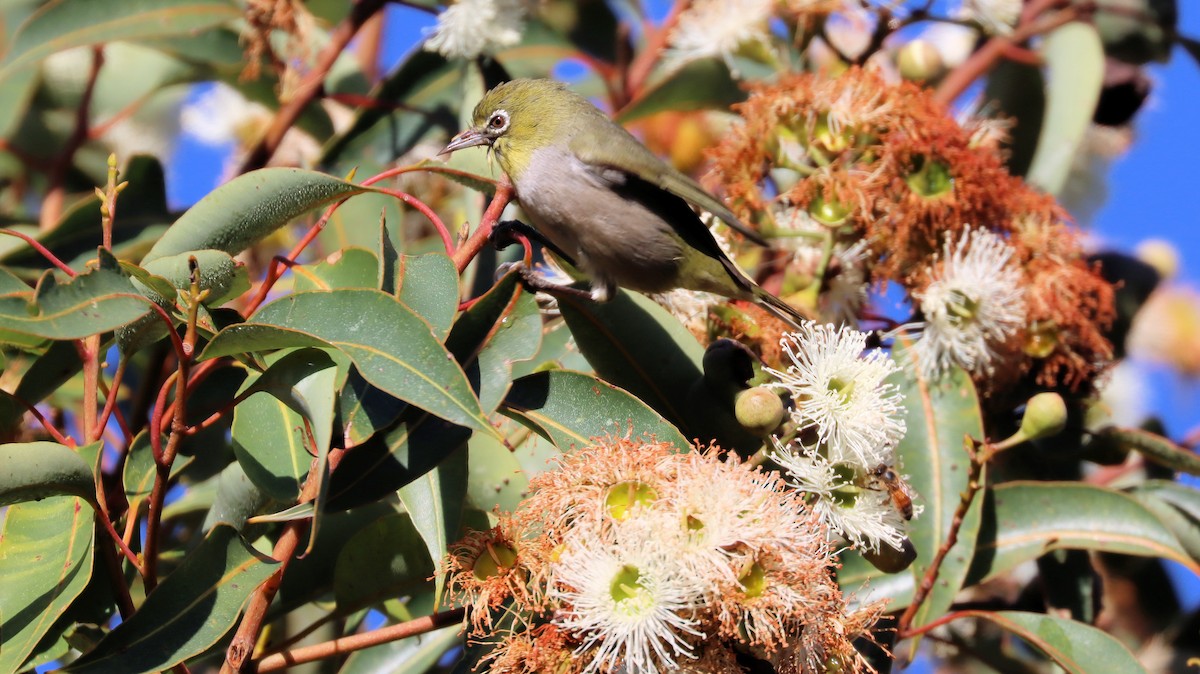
pixel 164 461
pixel 43 251
pixel 986 56
pixel 656 40
pixel 56 193
pixel 357 642
pixel 237 656
pixel 310 86
pixel 467 252
pixel 978 460
pixel 428 212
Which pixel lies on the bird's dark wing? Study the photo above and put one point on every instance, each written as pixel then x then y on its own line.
pixel 623 152
pixel 673 209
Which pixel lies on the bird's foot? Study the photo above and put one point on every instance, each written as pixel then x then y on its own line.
pixel 507 232
pixel 536 282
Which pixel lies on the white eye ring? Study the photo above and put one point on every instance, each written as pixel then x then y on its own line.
pixel 498 122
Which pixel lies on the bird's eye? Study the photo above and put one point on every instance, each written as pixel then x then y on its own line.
pixel 498 122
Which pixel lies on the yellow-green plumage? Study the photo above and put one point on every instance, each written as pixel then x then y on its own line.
pixel 599 195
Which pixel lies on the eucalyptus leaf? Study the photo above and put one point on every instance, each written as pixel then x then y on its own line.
pixel 435 501
pixel 1024 520
pixel 46 562
pixel 187 613
pixel 366 325
pixel 1076 647
pixel 75 23
pixel 31 471
pixel 1074 60
pixel 241 212
pixel 572 408
pixel 938 415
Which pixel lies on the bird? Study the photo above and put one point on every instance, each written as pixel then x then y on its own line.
pixel 598 197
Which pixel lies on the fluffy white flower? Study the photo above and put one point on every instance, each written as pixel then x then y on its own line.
pixel 627 596
pixel 862 516
pixel 973 305
pixel 840 395
pixel 469 28
pixel 718 28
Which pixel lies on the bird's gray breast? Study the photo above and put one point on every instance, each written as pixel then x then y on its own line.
pixel 588 212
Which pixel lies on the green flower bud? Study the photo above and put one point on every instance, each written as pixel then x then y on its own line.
pixel 1045 416
pixel 919 61
pixel 759 410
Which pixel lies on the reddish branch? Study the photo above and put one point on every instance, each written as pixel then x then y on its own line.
pixel 42 250
pixel 52 204
pixel 310 87
pixel 238 654
pixel 964 503
pixel 165 459
pixel 656 41
pixel 986 57
pixel 357 642
pixel 471 247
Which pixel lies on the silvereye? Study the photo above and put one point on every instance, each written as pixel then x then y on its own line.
pixel 599 197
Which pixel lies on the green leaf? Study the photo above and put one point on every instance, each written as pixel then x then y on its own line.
pixel 270 436
pixel 222 276
pixel 435 501
pixel 392 347
pixel 1016 91
pixel 704 84
pixel 637 345
pixel 502 327
pixel 45 561
pixel 571 408
pixel 16 92
pixel 1154 447
pixel 384 560
pixel 1137 31
pixel 10 284
pixel 32 471
pixel 1074 646
pixel 429 286
pixel 495 478
pixel 365 410
pixel 241 212
pixel 1178 506
pixel 58 26
pixel 188 612
pixel 1025 520
pixel 1074 61
pixel 938 414
pixel 412 447
pixel 89 304
pixel 351 267
pixel 237 499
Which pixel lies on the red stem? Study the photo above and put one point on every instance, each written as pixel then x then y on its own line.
pixel 42 250
pixel 472 246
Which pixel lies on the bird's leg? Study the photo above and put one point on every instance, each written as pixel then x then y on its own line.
pixel 535 282
pixel 503 235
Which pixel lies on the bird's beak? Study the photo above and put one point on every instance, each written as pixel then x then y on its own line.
pixel 468 138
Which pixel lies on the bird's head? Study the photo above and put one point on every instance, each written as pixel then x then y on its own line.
pixel 517 118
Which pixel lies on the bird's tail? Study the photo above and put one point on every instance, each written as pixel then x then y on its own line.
pixel 784 311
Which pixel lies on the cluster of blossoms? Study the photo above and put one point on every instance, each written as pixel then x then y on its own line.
pixel 846 424
pixel 632 557
pixel 873 183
